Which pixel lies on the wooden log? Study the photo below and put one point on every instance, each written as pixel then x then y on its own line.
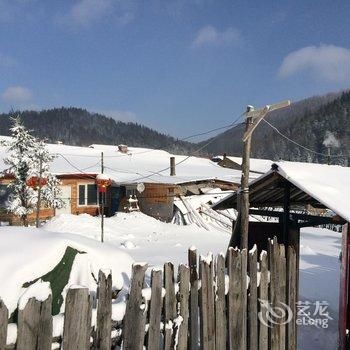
pixel 103 339
pixel 35 325
pixel 235 302
pixel 220 304
pixel 193 321
pixel 273 248
pixel 264 298
pixel 169 306
pixel 183 300
pixel 206 307
pixel 244 269
pixel 283 289
pixel 4 315
pixel 77 319
pixel 135 313
pixel 153 339
pixel 292 297
pixel 253 300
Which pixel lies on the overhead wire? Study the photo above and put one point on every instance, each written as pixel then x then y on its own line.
pixel 299 145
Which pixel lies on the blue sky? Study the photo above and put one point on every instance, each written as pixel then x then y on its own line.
pixel 180 66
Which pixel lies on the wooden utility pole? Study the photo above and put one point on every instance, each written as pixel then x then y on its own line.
pixel 103 194
pixel 38 203
pixel 253 118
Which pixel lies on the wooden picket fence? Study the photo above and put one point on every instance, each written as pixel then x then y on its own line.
pixel 213 304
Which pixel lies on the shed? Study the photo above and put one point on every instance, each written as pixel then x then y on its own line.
pixel 290 185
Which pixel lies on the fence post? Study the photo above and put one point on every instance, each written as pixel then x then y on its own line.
pixel 103 339
pixel 220 304
pixel 282 280
pixel 244 269
pixel 253 300
pixel 169 305
pixel 153 340
pixel 35 325
pixel 135 314
pixel 292 297
pixel 206 306
pixel 4 315
pixel 235 300
pixel 183 299
pixel 192 262
pixel 77 319
pixel 264 298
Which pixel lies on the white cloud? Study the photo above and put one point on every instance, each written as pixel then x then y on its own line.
pixel 325 62
pixel 87 12
pixel 17 95
pixel 209 35
pixel 124 116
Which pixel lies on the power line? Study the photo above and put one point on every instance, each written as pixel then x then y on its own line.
pixel 75 167
pixel 299 145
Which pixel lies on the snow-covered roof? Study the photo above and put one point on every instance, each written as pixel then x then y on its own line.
pixel 327 184
pixel 135 166
pixel 256 165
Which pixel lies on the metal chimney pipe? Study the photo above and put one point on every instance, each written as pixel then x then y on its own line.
pixel 172 166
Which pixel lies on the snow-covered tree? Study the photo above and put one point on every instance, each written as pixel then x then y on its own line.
pixel 25 153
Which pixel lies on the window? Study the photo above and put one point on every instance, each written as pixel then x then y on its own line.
pixel 88 194
pixel 4 195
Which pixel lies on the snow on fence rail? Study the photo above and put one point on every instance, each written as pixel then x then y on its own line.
pixel 233 302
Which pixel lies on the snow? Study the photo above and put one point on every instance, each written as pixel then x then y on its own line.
pixel 39 290
pixel 329 184
pixel 256 165
pixel 155 242
pixel 29 253
pixel 137 166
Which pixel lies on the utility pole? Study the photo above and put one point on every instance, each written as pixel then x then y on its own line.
pixel 103 194
pixel 253 118
pixel 38 203
pixel 329 160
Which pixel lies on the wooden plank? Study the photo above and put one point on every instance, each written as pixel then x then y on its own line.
pixel 244 269
pixel 45 325
pixel 206 307
pixel 292 297
pixel 77 319
pixel 103 339
pixel 220 304
pixel 153 340
pixel 235 302
pixel 169 306
pixel 264 298
pixel 183 299
pixel 35 325
pixel 193 321
pixel 283 299
pixel 253 300
pixel 135 314
pixel 4 315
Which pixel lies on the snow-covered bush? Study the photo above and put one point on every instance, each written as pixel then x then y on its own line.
pixel 25 153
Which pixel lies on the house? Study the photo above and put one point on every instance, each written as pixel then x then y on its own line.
pixel 260 166
pixel 153 177
pixel 289 187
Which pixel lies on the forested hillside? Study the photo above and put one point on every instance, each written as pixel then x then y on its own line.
pixel 76 126
pixel 313 123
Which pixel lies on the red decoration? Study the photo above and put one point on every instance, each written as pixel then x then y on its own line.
pixel 35 181
pixel 102 184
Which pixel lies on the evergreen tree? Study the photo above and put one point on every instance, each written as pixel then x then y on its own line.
pixel 25 153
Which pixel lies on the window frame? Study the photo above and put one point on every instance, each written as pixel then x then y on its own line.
pixel 86 184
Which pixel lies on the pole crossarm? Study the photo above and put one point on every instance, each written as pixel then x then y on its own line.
pixel 259 114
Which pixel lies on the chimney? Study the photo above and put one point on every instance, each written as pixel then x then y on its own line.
pixel 123 148
pixel 172 166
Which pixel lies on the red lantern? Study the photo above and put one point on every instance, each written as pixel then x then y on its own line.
pixel 36 181
pixel 102 184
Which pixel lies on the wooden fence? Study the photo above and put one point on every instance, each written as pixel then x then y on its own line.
pixel 237 302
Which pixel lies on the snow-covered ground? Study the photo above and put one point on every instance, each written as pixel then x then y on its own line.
pixel 147 239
